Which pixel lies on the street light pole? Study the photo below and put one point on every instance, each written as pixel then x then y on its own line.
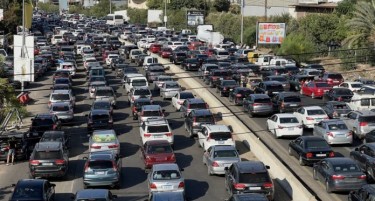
pixel 165 13
pixel 110 6
pixel 242 9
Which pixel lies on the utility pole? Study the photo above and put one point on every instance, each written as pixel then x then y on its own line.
pixel 110 6
pixel 242 10
pixel 165 13
pixel 265 9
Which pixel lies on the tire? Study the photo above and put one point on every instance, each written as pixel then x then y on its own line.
pixel 300 161
pixel 328 189
pixel 315 177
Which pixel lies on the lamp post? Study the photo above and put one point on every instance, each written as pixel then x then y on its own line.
pixel 110 6
pixel 165 13
pixel 242 9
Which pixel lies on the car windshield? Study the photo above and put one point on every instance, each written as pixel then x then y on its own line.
pixel 104 93
pixel 42 122
pixel 186 95
pixel 321 85
pixel 198 106
pixel 229 83
pixel 316 144
pixel 288 120
pixel 172 85
pixel 142 92
pixel 346 168
pixel 60 97
pixel 315 112
pixel 47 155
pixel 166 175
pixel 97 79
pixel 221 73
pixel 139 82
pixel 100 117
pixel 158 129
pixel 225 153
pixel 100 164
pixel 61 87
pixel 254 178
pixel 105 137
pixel 61 108
pixel 275 87
pixel 341 107
pixel 28 192
pixel 156 149
pixel 333 127
pixel 102 105
pixel 221 136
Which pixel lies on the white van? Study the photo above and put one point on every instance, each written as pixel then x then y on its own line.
pixel 80 48
pixel 280 62
pixel 362 100
pixel 148 60
pixel 56 38
pixel 134 80
pixel 263 60
pixel 68 66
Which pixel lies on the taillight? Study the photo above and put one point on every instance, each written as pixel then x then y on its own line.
pixel 114 165
pixel 95 147
pixel 34 162
pixel 239 186
pixel 309 118
pixel 181 185
pixel 330 134
pixel 113 146
pixel 59 162
pixel 168 134
pixel 152 186
pixel 147 135
pixel 86 167
pixel 363 123
pixel 332 154
pixel 337 177
pixel 362 177
pixel 215 164
pixel 268 185
pixel 309 155
pixel 238 95
pixel 350 133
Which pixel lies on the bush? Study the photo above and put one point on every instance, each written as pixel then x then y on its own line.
pixel 137 16
pixel 297 46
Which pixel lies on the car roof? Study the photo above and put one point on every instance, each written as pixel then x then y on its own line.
pixel 251 166
pixel 104 88
pixel 195 100
pixel 61 91
pixel 223 147
pixel 92 193
pixel 99 111
pixel 165 166
pixel 312 107
pixel 285 115
pixel 272 82
pixel 30 182
pixel 259 95
pixel 201 112
pixel 217 128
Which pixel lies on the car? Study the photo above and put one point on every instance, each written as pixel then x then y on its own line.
pixel 369 137
pixel 157 152
pixel 165 177
pixel 180 97
pixel 153 71
pixel 196 119
pixel 217 157
pixel 56 136
pixel 169 89
pixel 94 194
pixel 165 52
pixel 310 149
pixel 215 75
pixel 353 86
pixel 43 122
pixel 156 129
pixel 339 174
pixel 336 109
pixel 63 80
pixel 365 193
pixel 33 189
pixel 315 89
pixel 249 177
pixel 211 135
pixel 139 92
pixel 150 112
pixel 167 195
pixel 360 122
pixel 310 115
pixel 106 93
pixel 284 124
pixel 177 57
pixel 134 80
pixel 248 197
pixel 190 64
pixel 137 106
pixel 104 140
pixel 238 94
pixel 192 104
pixel 280 78
pixel 334 131
pixel 286 102
pixel 102 105
pixel 333 79
pixel 159 81
pixel 99 119
pixel 338 94
pixel 224 87
pixel 61 96
pixel 204 70
pixel 102 168
pixel 257 104
pixel 364 155
pixel 63 111
pixel 49 159
pixel 92 87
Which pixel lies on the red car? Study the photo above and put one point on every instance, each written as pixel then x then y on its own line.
pixel 155 48
pixel 156 152
pixel 165 52
pixel 315 89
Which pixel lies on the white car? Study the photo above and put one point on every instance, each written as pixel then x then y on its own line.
pixel 156 129
pixel 308 116
pixel 109 58
pixel 212 135
pixel 284 125
pixel 180 97
pixel 104 140
pixel 353 86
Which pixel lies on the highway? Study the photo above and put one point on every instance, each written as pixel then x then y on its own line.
pixel 199 186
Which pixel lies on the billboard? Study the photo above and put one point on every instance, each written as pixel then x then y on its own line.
pixel 270 33
pixel 195 17
pixel 63 5
pixel 23 65
pixel 153 16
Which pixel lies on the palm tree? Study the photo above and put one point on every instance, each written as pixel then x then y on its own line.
pixel 362 25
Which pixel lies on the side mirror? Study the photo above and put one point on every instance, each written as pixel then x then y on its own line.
pixel 268 167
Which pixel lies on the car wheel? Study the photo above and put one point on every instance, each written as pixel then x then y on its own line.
pixel 314 174
pixel 300 160
pixel 313 95
pixel 290 151
pixel 328 189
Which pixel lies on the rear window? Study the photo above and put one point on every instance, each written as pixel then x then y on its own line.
pixel 254 178
pixel 322 84
pixel 333 127
pixel 288 120
pixel 346 168
pixel 275 87
pixel 151 113
pixel 158 129
pixel 142 92
pixel 316 144
pixel 43 122
pixel 367 101
pixel 225 153
pixel 60 97
pixel 197 106
pixel 100 165
pixel 166 175
pixel 102 105
pixel 139 82
pixel 172 85
pixel 344 92
pixel 262 100
pixel 315 112
pixel 154 149
pixel 47 155
pixel 292 99
pixel 341 107
pixel 104 93
pixel 60 108
pixel 221 136
pixel 370 119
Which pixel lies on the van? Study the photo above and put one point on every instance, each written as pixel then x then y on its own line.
pixel 263 60
pixel 134 80
pixel 280 62
pixel 362 101
pixel 148 61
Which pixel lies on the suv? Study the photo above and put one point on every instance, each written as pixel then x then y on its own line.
pixel 102 169
pixel 99 119
pixel 94 194
pixel 156 129
pixel 269 87
pixel 360 122
pixel 224 87
pixel 177 57
pixel 63 111
pixel 139 92
pixel 49 159
pixel 256 104
pixel 249 177
pixel 44 122
pixel 192 104
pixel 333 79
pixel 150 111
pixel 211 135
pixel 286 102
pixel 61 96
pixel 196 118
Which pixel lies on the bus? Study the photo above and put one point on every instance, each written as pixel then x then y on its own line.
pixel 113 19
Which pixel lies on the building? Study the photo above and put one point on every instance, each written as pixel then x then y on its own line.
pixel 305 7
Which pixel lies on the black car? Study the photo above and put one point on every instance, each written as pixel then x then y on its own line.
pixel 192 104
pixel 238 94
pixel 365 193
pixel 224 87
pixel 269 87
pixel 33 189
pixel 56 136
pixel 286 102
pixel 177 57
pixel 248 197
pixel 196 118
pixel 43 122
pixel 99 119
pixel 249 177
pixel 216 75
pixel 310 149
pixel 338 94
pixel 22 145
pixel 49 159
pixel 364 155
pixel 336 109
pixel 190 64
pixel 117 61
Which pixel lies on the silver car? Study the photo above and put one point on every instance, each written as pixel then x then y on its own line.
pixel 104 140
pixel 169 89
pixel 159 81
pixel 106 93
pixel 334 131
pixel 218 157
pixel 165 177
pixel 63 110
pixel 139 92
pixel 93 85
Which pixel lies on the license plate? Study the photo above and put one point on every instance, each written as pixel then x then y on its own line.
pixel 350 179
pixel 321 155
pixel 221 142
pixel 158 136
pixel 291 128
pixel 255 188
pixel 49 164
pixel 293 105
pixel 99 173
pixel 167 187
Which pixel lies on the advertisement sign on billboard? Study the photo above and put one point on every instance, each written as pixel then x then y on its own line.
pixel 23 66
pixel 270 33
pixel 154 16
pixel 195 17
pixel 63 5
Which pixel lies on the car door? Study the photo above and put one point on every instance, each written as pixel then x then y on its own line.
pixel 350 120
pixel 318 129
pixel 322 171
pixel 202 136
pixel 271 123
pixel 207 156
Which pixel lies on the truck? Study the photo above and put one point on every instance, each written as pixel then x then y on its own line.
pixel 206 33
pixel 124 14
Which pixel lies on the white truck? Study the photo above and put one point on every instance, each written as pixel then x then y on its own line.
pixel 124 13
pixel 207 34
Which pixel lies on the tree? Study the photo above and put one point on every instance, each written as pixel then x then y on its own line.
pixel 137 16
pixel 296 45
pixel 155 4
pixel 12 18
pixel 48 7
pixel 362 25
pixel 222 5
pixel 101 9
